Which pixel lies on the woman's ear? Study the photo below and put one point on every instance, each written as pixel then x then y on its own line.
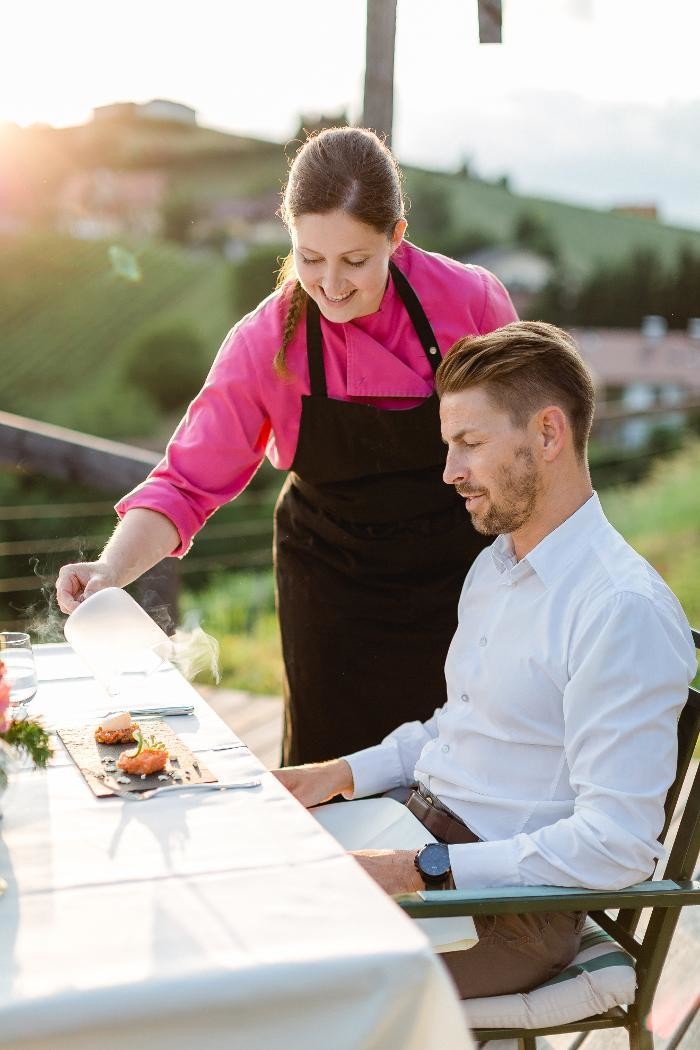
pixel 398 234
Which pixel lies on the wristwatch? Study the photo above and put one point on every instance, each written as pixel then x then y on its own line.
pixel 433 863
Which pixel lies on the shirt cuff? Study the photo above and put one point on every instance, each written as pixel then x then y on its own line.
pixel 479 865
pixel 186 525
pixel 374 770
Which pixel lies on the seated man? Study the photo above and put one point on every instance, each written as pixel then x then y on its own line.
pixel 549 761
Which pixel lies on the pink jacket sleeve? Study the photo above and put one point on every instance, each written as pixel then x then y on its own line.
pixel 498 309
pixel 216 449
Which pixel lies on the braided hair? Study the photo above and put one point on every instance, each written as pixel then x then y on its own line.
pixel 338 169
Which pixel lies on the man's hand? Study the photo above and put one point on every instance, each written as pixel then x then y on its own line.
pixel 393 869
pixel 318 781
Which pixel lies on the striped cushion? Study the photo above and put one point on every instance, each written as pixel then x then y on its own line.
pixel 599 977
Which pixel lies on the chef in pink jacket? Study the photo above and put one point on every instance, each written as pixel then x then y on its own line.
pixel 331 378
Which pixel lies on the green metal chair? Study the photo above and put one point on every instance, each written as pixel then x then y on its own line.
pixel 664 898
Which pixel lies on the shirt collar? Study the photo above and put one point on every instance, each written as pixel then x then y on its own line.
pixel 555 552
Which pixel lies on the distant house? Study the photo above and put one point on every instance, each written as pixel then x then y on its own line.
pixel 649 371
pixel 101 202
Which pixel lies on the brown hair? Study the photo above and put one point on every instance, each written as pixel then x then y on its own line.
pixel 338 169
pixel 524 366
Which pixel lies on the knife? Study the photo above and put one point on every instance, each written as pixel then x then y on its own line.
pixel 145 712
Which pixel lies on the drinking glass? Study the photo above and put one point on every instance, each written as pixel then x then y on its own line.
pixel 20 670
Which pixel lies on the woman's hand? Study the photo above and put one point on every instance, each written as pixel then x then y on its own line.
pixel 139 541
pixel 317 782
pixel 78 581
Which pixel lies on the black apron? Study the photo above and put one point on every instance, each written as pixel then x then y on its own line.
pixel 371 551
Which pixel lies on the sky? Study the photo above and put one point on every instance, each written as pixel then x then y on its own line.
pixel 591 101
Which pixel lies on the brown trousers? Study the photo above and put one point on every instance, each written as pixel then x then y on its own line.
pixel 515 953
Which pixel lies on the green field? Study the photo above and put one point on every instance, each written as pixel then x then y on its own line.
pixel 66 312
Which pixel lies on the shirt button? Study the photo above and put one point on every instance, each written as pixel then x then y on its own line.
pixel 445 748
pixel 432 350
pixel 482 640
pixel 464 697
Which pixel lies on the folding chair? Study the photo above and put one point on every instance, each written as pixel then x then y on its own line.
pixel 612 981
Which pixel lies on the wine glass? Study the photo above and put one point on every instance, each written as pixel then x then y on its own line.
pixel 17 655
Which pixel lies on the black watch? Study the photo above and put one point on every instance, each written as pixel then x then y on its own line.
pixel 433 863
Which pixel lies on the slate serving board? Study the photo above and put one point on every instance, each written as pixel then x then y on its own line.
pixel 87 754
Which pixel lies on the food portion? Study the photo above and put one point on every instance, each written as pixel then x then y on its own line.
pixel 149 756
pixel 160 756
pixel 117 729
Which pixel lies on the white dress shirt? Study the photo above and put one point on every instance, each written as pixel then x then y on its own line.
pixel 557 743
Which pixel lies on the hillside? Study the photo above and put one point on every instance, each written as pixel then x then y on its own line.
pixel 203 164
pixel 583 236
pixel 66 310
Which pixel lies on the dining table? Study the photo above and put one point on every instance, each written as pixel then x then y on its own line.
pixel 194 920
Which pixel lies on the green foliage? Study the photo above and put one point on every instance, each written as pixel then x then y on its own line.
pixel 432 222
pixel 30 739
pixel 65 314
pixel 179 216
pixel 659 518
pixel 253 278
pixel 234 603
pixel 166 364
pixel 533 232
pixel 239 611
pixel 618 294
pixel 584 238
pixel 112 410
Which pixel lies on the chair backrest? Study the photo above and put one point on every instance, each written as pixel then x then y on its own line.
pixel 681 862
pixel 686 846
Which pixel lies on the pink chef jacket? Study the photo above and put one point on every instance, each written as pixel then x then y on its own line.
pixel 245 411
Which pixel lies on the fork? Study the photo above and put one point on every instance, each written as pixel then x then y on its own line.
pixel 141 796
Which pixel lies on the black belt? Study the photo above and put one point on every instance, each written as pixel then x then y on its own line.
pixel 438 819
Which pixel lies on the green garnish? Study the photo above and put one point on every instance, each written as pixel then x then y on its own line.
pixel 139 745
pixel 151 743
pixel 154 744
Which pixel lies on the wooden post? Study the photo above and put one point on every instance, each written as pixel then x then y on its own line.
pixel 490 21
pixel 378 112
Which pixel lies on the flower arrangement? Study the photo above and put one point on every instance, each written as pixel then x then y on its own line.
pixel 26 738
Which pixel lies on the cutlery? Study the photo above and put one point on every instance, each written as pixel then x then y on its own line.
pixel 148 712
pixel 141 796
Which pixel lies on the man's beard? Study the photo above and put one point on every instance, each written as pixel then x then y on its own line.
pixel 519 487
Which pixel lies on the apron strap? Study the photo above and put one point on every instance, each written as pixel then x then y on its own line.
pixel 418 317
pixel 416 313
pixel 314 349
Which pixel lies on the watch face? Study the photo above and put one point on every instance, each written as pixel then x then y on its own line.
pixel 434 860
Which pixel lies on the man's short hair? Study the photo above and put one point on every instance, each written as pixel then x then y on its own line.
pixel 524 366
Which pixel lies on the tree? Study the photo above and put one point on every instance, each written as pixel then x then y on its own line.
pixel 166 363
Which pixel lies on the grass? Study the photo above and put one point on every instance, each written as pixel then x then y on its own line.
pixel 66 312
pixel 659 517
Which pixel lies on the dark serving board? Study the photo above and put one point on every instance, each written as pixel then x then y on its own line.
pixel 88 754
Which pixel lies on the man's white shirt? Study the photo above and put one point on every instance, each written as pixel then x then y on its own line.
pixel 557 742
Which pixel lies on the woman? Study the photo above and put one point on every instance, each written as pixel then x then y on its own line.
pixel 331 377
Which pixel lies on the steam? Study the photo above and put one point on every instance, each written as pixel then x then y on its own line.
pixel 193 651
pixel 44 619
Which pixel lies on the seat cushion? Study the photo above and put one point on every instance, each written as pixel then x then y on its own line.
pixel 601 976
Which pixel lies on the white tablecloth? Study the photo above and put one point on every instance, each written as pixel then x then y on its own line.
pixel 202 921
